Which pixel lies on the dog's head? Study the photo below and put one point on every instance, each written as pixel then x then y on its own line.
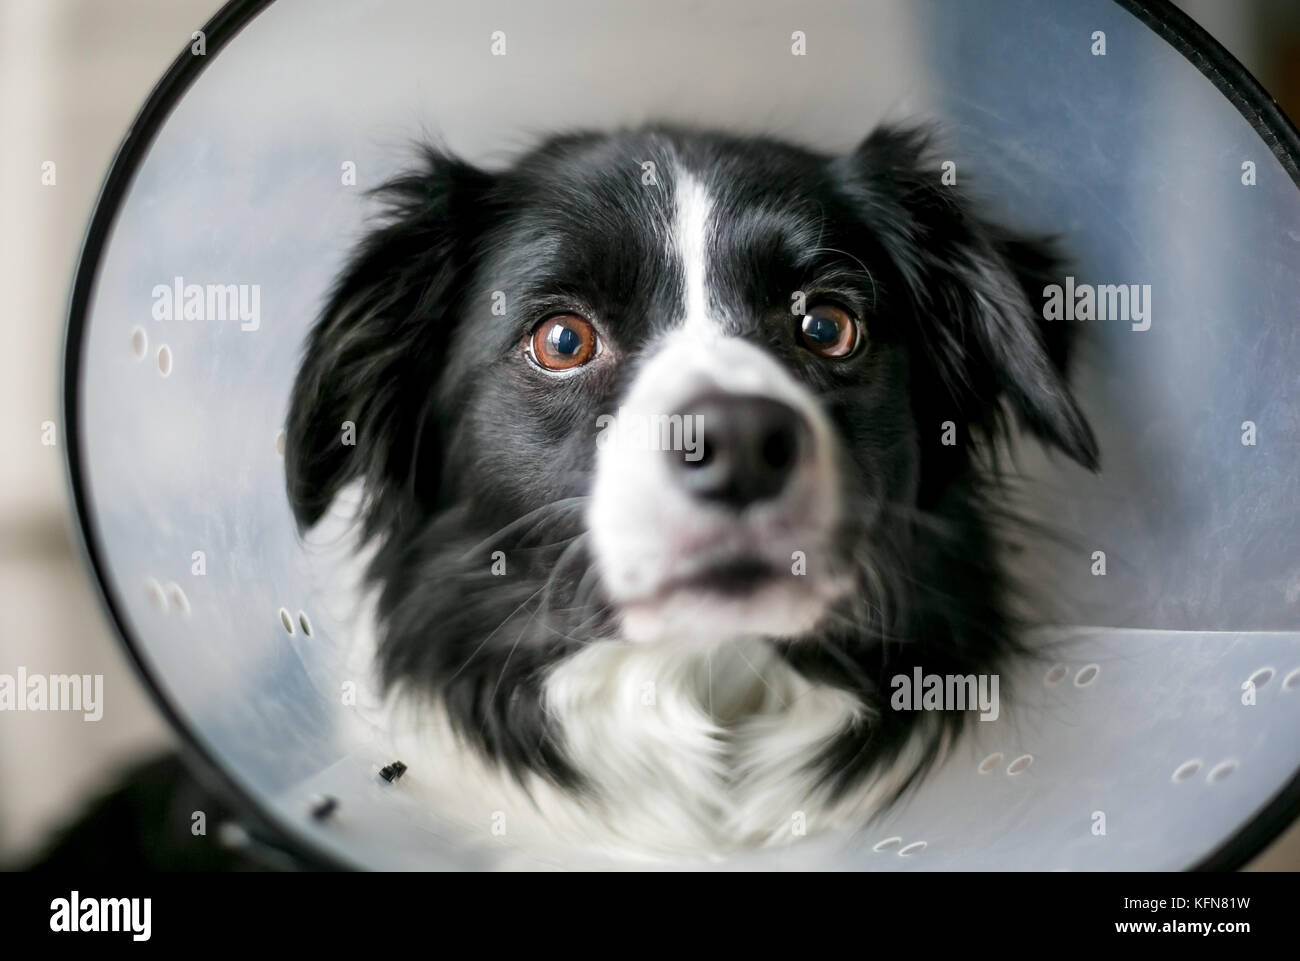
pixel 730 374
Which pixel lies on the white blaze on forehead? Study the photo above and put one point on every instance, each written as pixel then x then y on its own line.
pixel 690 236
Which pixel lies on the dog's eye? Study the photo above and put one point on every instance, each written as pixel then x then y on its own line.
pixel 563 342
pixel 829 331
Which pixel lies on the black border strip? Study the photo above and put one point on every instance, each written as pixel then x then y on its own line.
pixel 1162 17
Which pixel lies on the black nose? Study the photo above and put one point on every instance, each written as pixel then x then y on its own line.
pixel 746 448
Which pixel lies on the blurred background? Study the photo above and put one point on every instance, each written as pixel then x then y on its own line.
pixel 73 74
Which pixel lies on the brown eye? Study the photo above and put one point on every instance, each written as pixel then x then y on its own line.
pixel 563 342
pixel 828 331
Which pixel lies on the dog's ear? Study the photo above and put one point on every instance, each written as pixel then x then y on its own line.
pixel 361 402
pixel 975 286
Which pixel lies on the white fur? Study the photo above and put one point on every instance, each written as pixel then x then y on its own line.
pixel 698 752
pixel 693 209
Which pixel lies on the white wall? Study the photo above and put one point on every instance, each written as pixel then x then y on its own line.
pixel 72 75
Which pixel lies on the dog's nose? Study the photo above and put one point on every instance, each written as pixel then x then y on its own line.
pixel 747 447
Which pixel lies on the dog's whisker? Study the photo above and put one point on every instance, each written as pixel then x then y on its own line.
pixel 541 513
pixel 578 544
pixel 758 674
pixel 483 643
pixel 505 664
pixel 871 278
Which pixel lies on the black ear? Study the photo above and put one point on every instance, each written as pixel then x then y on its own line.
pixel 976 286
pixel 373 357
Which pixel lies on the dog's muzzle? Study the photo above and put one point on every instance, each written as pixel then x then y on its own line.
pixel 730 533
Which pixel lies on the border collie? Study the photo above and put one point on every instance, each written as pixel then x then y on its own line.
pixel 680 647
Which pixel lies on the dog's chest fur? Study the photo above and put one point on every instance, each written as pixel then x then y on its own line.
pixel 682 753
pixel 706 748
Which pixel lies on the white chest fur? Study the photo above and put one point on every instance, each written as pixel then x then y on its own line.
pixel 700 751
pixel 686 755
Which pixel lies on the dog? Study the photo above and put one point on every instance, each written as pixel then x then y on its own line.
pixel 683 646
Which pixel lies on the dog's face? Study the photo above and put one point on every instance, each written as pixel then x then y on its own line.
pixel 814 340
pixel 694 336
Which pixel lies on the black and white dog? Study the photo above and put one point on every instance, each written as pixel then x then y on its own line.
pixel 684 646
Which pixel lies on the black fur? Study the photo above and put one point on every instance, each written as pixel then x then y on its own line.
pixel 465 450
